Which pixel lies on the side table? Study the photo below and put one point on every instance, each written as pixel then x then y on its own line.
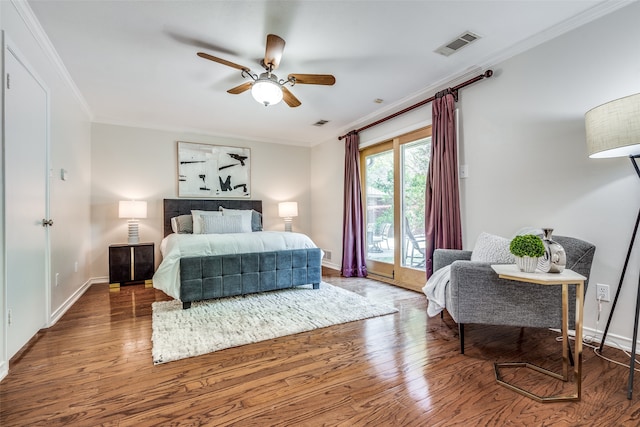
pixel 131 263
pixel 564 279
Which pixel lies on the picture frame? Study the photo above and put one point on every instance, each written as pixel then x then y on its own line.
pixel 207 170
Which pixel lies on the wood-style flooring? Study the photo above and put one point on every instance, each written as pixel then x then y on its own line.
pixel 94 367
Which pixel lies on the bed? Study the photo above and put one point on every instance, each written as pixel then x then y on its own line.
pixel 199 266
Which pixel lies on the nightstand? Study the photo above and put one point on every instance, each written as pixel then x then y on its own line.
pixel 129 264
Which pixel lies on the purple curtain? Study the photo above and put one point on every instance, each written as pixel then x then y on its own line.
pixel 353 237
pixel 443 228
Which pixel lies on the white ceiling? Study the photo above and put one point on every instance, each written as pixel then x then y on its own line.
pixel 135 62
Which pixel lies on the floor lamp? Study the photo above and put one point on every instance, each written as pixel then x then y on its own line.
pixel 613 130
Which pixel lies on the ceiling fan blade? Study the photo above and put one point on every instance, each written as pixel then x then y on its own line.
pixel 313 79
pixel 239 89
pixel 222 61
pixel 289 98
pixel 273 52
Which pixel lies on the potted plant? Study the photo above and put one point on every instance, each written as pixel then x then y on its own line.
pixel 527 249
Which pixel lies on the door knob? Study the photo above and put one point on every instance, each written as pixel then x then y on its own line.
pixel 46 222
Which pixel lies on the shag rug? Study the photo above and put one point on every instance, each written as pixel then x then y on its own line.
pixel 214 325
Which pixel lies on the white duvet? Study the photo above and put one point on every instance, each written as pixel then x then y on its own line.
pixel 176 246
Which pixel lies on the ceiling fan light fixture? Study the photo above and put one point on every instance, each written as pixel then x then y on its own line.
pixel 266 90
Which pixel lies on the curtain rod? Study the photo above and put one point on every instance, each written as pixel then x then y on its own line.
pixel 484 75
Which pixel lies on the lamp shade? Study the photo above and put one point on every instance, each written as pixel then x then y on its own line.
pixel 266 91
pixel 287 209
pixel 132 209
pixel 613 129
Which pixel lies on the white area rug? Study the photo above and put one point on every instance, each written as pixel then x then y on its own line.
pixel 217 324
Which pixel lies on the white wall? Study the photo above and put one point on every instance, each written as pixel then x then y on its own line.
pixel 141 163
pixel 4 365
pixel 522 136
pixel 69 149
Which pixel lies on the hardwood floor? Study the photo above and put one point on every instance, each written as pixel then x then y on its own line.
pixel 94 367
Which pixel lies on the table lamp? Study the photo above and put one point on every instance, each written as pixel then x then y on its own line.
pixel 133 210
pixel 287 210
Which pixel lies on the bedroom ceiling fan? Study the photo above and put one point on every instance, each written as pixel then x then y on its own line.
pixel 266 88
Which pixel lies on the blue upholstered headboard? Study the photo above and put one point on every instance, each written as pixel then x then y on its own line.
pixel 175 207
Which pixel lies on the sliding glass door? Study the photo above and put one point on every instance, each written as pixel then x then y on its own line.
pixel 394 176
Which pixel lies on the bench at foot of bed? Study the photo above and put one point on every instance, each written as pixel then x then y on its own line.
pixel 186 305
pixel 219 276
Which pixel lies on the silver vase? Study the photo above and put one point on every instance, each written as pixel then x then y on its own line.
pixel 555 258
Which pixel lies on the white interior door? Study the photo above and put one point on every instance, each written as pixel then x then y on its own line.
pixel 26 201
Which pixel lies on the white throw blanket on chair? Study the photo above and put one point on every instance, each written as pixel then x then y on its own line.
pixel 435 290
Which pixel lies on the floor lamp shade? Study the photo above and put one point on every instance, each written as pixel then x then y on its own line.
pixel 287 210
pixel 613 129
pixel 132 210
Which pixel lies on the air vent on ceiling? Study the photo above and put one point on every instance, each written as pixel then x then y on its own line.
pixel 458 43
pixel 321 122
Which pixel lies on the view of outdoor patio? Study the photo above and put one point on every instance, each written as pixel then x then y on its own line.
pixel 380 205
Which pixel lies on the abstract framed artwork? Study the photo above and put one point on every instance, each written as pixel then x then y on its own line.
pixel 206 170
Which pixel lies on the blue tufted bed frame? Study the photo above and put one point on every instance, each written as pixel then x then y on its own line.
pixel 216 276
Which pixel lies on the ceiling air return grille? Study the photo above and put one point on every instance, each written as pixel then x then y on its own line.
pixel 458 43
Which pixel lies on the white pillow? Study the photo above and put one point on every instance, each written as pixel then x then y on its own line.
pixel 244 214
pixel 197 219
pixel 182 224
pixel 221 224
pixel 492 248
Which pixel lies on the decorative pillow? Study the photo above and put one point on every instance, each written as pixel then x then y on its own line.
pixel 197 219
pixel 256 221
pixel 182 224
pixel 245 214
pixel 492 248
pixel 221 224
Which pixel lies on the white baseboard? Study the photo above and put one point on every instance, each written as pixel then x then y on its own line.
pixel 594 337
pixel 613 341
pixel 103 279
pixel 330 265
pixel 57 315
pixel 4 370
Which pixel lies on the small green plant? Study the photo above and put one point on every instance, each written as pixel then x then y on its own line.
pixel 527 245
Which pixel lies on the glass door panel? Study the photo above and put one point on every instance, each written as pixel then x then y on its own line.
pixel 394 174
pixel 379 192
pixel 414 164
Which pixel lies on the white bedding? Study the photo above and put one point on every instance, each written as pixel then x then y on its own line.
pixel 175 246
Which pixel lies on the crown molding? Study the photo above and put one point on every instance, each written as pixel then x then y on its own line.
pixel 601 9
pixel 598 11
pixel 33 25
pixel 197 131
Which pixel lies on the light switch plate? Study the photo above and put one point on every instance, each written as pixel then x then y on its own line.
pixel 464 171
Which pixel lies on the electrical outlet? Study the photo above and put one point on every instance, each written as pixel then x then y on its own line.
pixel 602 292
pixel 327 255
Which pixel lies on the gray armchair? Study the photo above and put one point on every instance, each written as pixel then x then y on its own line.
pixel 475 294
